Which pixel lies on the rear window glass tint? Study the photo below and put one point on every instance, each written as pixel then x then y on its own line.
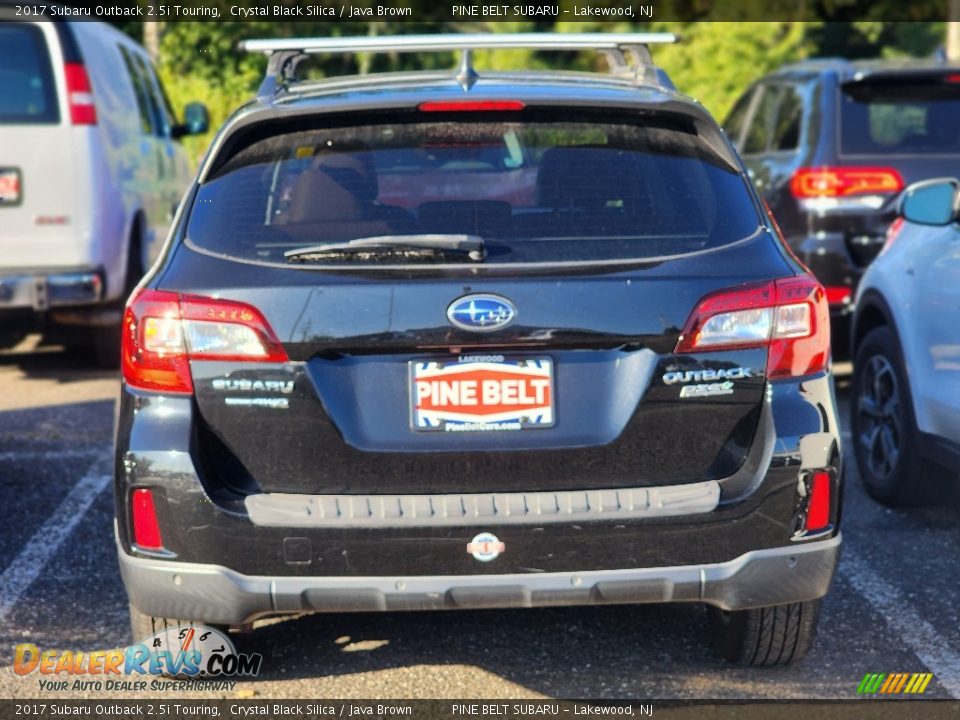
pixel 534 191
pixel 786 130
pixel 734 122
pixel 757 139
pixel 920 119
pixel 27 90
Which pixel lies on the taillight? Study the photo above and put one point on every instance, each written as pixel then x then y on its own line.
pixel 788 316
pixel 471 105
pixel 164 331
pixel 146 529
pixel 838 294
pixel 80 94
pixel 842 182
pixel 818 505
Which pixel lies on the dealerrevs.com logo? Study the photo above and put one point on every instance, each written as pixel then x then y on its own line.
pixel 894 683
pixel 187 653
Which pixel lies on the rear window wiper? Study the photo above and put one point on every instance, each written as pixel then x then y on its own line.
pixel 408 246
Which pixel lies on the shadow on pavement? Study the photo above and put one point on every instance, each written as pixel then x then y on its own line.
pixel 55 363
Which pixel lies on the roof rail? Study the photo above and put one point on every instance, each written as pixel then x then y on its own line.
pixel 626 53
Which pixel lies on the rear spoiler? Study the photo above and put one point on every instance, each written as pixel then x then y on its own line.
pixel 922 83
pixel 626 53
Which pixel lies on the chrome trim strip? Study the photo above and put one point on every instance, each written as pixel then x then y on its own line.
pixel 40 291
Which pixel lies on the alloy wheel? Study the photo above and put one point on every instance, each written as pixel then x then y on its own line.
pixel 880 417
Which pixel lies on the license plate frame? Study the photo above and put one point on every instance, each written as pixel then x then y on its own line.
pixel 525 388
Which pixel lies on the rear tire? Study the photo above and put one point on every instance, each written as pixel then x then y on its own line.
pixel 143 626
pixel 884 428
pixel 776 635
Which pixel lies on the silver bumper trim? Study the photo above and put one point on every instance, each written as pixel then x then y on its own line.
pixel 215 594
pixel 40 290
pixel 291 510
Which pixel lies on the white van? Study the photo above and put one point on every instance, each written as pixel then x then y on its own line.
pixel 91 172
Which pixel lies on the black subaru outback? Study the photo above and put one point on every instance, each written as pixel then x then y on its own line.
pixel 434 340
pixel 831 143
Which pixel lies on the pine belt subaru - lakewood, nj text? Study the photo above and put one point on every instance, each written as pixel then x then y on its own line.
pixel 477 340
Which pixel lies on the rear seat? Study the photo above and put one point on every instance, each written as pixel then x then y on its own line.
pixel 336 200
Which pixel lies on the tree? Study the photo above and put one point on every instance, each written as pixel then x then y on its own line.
pixel 151 39
pixel 953 31
pixel 714 62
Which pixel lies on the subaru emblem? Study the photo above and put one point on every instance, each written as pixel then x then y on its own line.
pixel 481 313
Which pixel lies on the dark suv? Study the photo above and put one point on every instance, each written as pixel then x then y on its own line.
pixel 433 340
pixel 831 143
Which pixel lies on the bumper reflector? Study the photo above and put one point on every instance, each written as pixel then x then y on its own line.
pixel 146 529
pixel 818 510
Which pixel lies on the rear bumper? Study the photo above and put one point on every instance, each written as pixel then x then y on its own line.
pixel 215 594
pixel 635 525
pixel 43 289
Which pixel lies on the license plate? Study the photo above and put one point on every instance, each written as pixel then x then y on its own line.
pixel 9 186
pixel 486 393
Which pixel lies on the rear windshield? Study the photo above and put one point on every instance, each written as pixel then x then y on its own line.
pixel 27 91
pixel 915 118
pixel 530 190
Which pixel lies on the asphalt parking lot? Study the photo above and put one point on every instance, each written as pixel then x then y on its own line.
pixel 893 607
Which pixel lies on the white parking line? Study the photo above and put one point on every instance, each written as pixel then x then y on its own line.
pixel 914 632
pixel 27 566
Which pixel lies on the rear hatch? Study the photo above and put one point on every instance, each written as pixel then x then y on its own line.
pixel 904 125
pixel 508 320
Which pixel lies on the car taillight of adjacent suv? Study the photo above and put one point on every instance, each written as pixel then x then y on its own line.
pixel 830 144
pixel 518 340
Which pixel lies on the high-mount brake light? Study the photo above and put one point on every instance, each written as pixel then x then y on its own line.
pixel 841 182
pixel 79 94
pixel 164 331
pixel 471 106
pixel 789 316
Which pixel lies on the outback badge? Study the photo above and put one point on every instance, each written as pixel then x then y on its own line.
pixel 481 313
pixel 486 547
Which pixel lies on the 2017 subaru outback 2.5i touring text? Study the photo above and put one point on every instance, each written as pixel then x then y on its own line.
pixel 484 340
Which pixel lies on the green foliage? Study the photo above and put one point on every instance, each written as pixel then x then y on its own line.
pixel 714 62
